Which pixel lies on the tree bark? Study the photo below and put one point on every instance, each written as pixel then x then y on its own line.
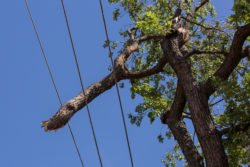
pixel 120 72
pixel 173 118
pixel 198 104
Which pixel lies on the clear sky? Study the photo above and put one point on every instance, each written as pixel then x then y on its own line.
pixel 28 97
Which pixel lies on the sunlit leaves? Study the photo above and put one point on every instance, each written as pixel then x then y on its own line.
pixel 241 14
pixel 153 103
pixel 150 24
pixel 235 91
pixel 116 14
pixel 206 34
pixel 171 157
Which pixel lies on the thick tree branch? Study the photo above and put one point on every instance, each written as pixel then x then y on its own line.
pixel 156 69
pixel 197 7
pixel 197 103
pixel 173 118
pixel 64 114
pixel 233 58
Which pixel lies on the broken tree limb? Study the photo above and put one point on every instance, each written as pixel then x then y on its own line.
pixel 120 72
pixel 67 110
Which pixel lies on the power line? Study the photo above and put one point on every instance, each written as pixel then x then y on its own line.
pixel 79 74
pixel 51 76
pixel 118 93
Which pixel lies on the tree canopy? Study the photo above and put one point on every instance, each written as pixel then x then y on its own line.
pixel 186 65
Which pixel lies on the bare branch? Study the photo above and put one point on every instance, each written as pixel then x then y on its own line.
pixel 64 114
pixel 156 69
pixel 197 7
pixel 216 102
pixel 67 110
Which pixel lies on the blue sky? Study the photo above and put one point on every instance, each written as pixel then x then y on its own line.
pixel 28 97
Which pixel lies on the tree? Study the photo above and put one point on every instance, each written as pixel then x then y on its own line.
pixel 181 62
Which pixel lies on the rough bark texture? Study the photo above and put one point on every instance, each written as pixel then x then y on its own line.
pixel 173 118
pixel 64 114
pixel 189 90
pixel 78 102
pixel 198 104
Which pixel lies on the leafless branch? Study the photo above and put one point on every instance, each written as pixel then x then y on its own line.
pixel 216 102
pixel 197 7
pixel 67 110
pixel 156 69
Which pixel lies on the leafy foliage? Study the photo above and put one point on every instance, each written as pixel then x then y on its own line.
pixel 171 157
pixel 206 33
pixel 241 14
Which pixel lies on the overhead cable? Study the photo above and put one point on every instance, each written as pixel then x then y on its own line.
pixel 118 93
pixel 52 79
pixel 79 74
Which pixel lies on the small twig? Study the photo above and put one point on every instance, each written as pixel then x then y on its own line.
pixel 200 24
pixel 156 69
pixel 216 103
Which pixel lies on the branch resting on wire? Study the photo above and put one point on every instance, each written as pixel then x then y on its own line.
pixel 67 110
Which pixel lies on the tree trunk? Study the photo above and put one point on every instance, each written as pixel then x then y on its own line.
pixel 198 104
pixel 173 118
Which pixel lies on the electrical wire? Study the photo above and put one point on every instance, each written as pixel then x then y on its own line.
pixel 79 74
pixel 118 93
pixel 53 81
